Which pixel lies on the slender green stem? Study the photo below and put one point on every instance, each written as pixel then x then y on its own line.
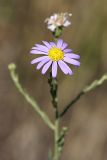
pixel 29 99
pixel 53 90
pixel 87 89
pixel 56 137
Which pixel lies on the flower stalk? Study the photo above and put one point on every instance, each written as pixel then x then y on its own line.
pixel 53 91
pixel 56 136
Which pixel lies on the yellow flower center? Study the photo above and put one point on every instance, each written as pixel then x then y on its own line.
pixel 55 54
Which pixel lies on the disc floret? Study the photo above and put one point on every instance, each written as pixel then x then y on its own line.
pixel 55 54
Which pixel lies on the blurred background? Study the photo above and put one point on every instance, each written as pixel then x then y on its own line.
pixel 23 135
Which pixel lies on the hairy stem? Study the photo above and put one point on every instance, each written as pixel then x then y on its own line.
pixel 56 137
pixel 53 90
pixel 29 99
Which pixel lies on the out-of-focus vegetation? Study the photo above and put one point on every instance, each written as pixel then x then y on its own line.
pixel 22 134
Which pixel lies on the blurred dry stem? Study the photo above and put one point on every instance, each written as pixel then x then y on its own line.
pixel 95 84
pixel 87 89
pixel 29 99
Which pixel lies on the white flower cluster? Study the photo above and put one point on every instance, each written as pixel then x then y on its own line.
pixel 58 20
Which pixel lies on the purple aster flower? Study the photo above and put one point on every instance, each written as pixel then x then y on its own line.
pixel 54 55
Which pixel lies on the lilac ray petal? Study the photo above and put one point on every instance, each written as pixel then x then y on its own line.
pixel 64 67
pixel 54 69
pixel 72 55
pixel 46 66
pixel 72 61
pixel 70 72
pixel 47 44
pixel 39 49
pixel 42 48
pixel 40 64
pixel 67 50
pixel 64 46
pixel 59 43
pixel 52 44
pixel 34 48
pixel 37 52
pixel 38 59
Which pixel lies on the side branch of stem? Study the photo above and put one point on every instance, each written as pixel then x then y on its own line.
pixel 29 99
pixel 87 89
